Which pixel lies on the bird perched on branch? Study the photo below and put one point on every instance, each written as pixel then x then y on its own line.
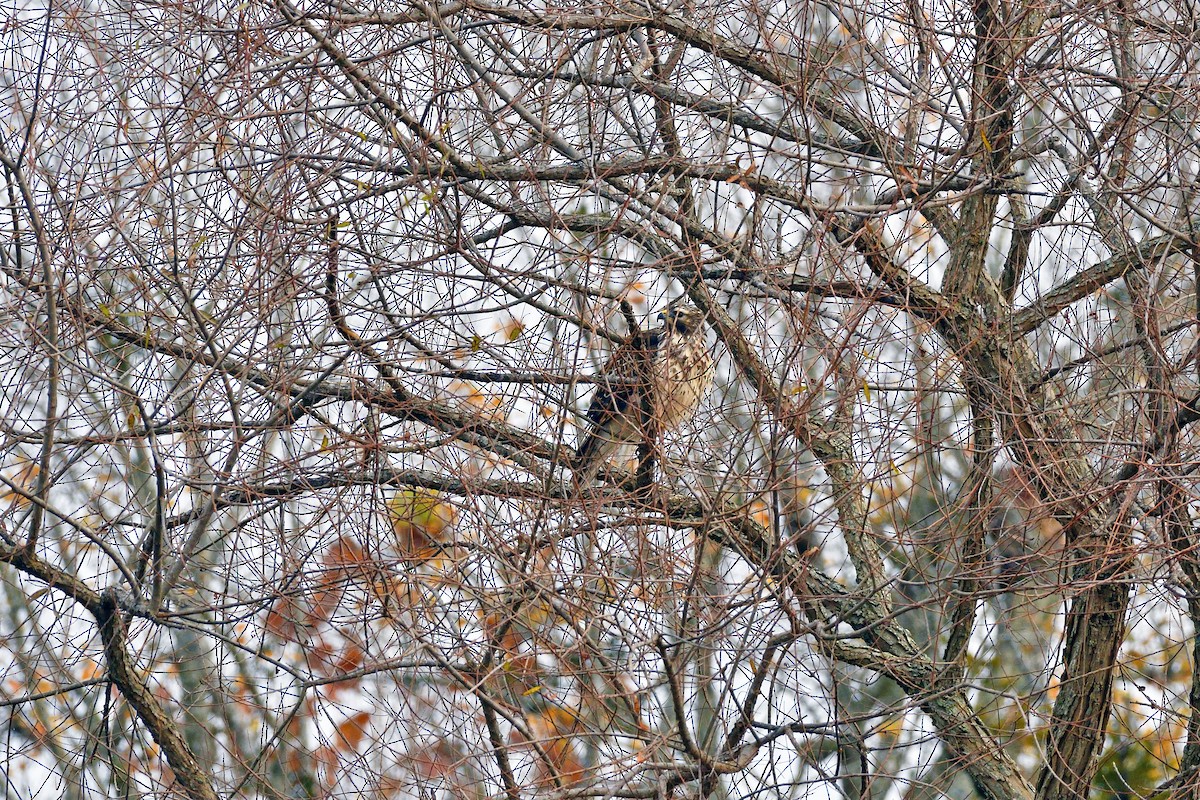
pixel 646 390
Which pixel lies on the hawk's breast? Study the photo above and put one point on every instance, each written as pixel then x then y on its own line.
pixel 683 375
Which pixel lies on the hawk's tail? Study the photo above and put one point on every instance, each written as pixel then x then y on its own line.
pixel 591 455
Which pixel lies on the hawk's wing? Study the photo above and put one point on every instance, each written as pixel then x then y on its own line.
pixel 615 406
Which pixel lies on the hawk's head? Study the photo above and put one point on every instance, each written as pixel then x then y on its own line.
pixel 681 318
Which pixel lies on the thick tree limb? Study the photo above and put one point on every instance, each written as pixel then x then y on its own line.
pixel 1094 277
pixel 179 756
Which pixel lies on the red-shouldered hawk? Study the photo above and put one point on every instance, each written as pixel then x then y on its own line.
pixel 677 369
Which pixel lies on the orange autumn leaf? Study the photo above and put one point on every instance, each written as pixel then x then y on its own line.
pixel 760 512
pixel 434 761
pixel 24 480
pixel 319 654
pixel 350 659
pixel 555 730
pixel 352 730
pixel 344 562
pixel 326 599
pixel 326 760
pixel 487 404
pixel 283 619
pixel 344 552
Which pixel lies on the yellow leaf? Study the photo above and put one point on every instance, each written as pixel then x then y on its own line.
pixel 421 521
pixel 512 330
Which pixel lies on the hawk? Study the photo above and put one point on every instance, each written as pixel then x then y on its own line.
pixel 675 367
